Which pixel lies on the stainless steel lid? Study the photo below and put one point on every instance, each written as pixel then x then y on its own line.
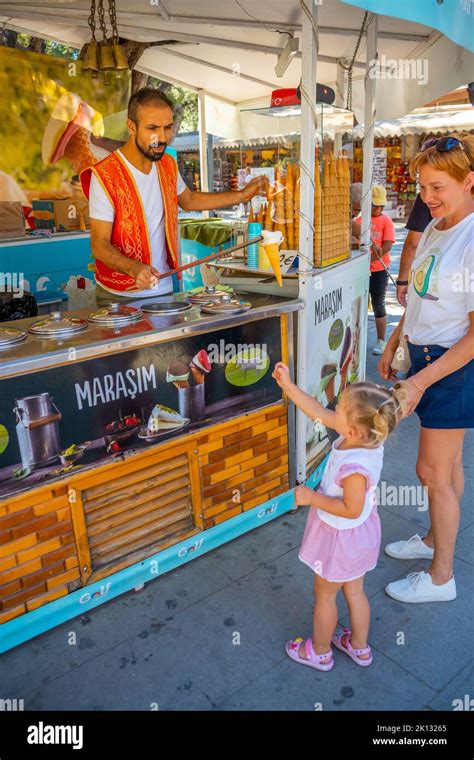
pixel 11 336
pixel 116 315
pixel 167 307
pixel 58 325
pixel 227 305
pixel 210 294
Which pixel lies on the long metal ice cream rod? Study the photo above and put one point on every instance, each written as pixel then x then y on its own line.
pixel 385 267
pixel 218 254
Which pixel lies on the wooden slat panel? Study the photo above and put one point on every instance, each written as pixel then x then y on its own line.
pixel 141 508
pixel 141 473
pixel 124 491
pixel 136 521
pixel 173 530
pixel 129 501
pixel 148 503
pixel 104 570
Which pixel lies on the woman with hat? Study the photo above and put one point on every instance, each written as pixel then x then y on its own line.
pixel 438 326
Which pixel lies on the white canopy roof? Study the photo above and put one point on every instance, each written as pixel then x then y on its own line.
pixel 425 121
pixel 229 47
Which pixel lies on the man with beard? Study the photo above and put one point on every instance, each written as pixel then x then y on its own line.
pixel 134 195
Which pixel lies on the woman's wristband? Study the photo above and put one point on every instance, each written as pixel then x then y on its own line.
pixel 421 390
pixel 401 282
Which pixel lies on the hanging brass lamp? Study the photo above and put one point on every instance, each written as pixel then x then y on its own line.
pixel 91 59
pixel 91 54
pixel 120 58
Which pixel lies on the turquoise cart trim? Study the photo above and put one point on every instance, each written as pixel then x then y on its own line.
pixel 78 602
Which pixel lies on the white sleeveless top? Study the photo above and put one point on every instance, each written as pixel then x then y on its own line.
pixel 344 462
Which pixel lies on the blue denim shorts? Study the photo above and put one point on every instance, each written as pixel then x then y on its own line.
pixel 449 403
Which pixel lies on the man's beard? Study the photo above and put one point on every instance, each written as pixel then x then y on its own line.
pixel 149 152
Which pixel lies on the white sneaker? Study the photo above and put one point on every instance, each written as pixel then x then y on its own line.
pixel 414 548
pixel 418 587
pixel 379 347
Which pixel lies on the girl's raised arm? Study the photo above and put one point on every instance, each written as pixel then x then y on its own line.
pixel 309 405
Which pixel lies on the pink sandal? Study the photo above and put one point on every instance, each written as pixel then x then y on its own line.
pixel 314 660
pixel 354 654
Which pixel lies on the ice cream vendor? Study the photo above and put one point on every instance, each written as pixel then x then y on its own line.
pixel 134 195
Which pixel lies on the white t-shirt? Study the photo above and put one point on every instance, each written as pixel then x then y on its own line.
pixel 149 188
pixel 441 289
pixel 341 464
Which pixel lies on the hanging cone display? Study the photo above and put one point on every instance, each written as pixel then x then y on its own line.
pixel 268 222
pixel 289 207
pixel 279 196
pixel 251 218
pixel 344 207
pixel 317 239
pixel 297 209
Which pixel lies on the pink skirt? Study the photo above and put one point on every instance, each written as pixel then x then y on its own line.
pixel 340 556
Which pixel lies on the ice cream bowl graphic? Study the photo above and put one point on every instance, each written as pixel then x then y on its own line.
pixel 161 421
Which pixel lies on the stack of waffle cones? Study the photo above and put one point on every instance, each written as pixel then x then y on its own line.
pixel 279 224
pixel 297 208
pixel 332 210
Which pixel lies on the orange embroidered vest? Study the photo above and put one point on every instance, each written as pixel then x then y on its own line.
pixel 130 231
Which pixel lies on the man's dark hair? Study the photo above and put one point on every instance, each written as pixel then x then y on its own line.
pixel 145 97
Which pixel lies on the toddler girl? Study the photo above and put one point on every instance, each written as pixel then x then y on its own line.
pixel 341 540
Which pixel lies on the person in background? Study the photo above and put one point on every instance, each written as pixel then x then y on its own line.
pixel 382 234
pixel 11 192
pixel 417 222
pixel 356 200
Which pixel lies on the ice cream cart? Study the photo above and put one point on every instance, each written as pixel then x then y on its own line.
pixel 134 440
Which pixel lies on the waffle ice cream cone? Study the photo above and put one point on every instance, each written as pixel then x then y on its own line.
pixel 200 366
pixel 181 384
pixel 198 375
pixel 330 390
pixel 78 151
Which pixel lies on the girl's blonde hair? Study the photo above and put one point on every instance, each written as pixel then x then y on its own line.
pixel 455 162
pixel 375 408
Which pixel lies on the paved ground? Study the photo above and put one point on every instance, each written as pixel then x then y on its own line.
pixel 210 635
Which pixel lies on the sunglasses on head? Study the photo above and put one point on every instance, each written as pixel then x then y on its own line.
pixel 443 144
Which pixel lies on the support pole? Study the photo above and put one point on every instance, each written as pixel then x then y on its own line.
pixel 203 166
pixel 305 266
pixel 368 141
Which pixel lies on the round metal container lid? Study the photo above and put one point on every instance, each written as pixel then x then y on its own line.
pixel 167 307
pixel 57 324
pixel 227 305
pixel 116 314
pixel 209 294
pixel 10 336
